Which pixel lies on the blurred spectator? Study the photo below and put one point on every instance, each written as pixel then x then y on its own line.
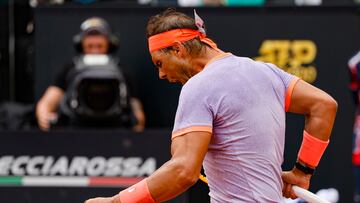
pixel 34 3
pixel 191 3
pixel 244 2
pixel 84 89
pixel 354 70
pixel 308 2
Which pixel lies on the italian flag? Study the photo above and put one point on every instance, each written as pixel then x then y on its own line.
pixel 67 181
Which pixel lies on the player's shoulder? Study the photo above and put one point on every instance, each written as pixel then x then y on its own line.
pixel 199 84
pixel 243 61
pixel 193 83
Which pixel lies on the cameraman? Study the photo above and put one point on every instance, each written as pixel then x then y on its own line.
pixel 95 38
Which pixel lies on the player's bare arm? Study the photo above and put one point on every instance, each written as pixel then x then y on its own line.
pixel 179 173
pixel 183 169
pixel 319 109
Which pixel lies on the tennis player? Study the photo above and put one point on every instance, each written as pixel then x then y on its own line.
pixel 230 119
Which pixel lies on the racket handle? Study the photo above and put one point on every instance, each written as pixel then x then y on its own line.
pixel 307 195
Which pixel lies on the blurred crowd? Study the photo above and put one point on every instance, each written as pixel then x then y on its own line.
pixel 46 112
pixel 187 3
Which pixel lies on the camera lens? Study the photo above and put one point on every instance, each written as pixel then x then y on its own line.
pixel 99 95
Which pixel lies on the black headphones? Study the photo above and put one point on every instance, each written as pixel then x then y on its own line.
pixel 99 26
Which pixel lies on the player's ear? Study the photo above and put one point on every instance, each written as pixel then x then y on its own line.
pixel 179 49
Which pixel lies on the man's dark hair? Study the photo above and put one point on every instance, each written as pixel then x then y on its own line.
pixel 170 19
pixel 96 26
